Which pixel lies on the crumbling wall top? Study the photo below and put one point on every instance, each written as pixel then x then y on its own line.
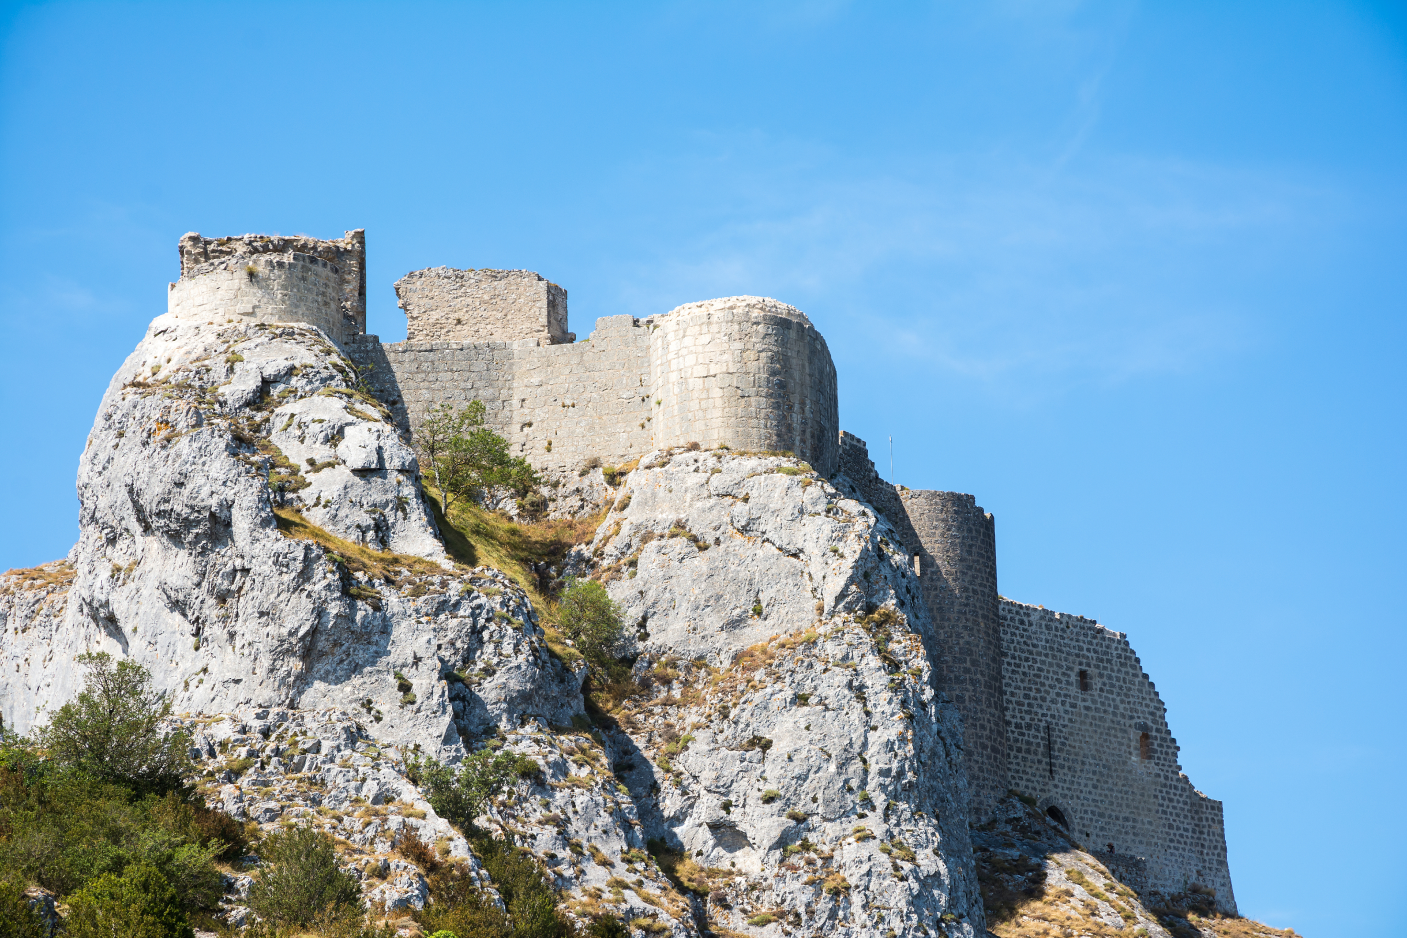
pixel 742 304
pixel 344 258
pixel 443 304
pixel 197 251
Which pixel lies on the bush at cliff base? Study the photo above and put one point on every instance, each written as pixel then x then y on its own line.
pixel 138 904
pixel 591 619
pixel 17 919
pixel 302 882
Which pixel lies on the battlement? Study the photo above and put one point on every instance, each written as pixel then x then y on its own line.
pixel 271 278
pixel 443 304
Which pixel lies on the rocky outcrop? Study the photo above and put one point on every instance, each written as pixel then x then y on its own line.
pixel 253 531
pixel 794 749
pixel 1037 880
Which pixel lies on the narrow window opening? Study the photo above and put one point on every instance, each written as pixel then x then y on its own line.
pixel 1084 679
pixel 1145 746
pixel 1058 816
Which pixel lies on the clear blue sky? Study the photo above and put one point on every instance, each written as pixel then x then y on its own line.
pixel 1132 274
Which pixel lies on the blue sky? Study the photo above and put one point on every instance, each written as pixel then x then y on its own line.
pixel 1133 274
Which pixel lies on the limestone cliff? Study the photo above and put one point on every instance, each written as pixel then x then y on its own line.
pixel 253 531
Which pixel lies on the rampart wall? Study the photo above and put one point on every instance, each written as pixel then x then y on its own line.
pixel 747 372
pixel 1088 737
pixel 557 405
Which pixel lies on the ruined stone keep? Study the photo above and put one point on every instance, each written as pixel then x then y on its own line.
pixel 1054 706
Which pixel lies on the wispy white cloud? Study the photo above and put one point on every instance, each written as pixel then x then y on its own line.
pixel 991 268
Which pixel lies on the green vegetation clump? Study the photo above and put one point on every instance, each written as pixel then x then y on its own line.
pixel 588 616
pixel 96 811
pixel 301 882
pixel 460 905
pixel 140 903
pixel 111 730
pixel 465 457
pixel 17 919
pixel 460 796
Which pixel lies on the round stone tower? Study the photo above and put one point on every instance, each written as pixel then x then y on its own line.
pixel 274 279
pixel 748 372
pixel 957 561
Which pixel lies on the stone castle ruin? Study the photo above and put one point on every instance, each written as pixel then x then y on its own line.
pixel 1054 706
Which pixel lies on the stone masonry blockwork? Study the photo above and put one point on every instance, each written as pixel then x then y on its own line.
pixel 270 278
pixel 444 304
pixel 1088 736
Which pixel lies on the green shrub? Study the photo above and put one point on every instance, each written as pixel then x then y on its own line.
pixel 17 919
pixel 607 927
pixel 462 907
pixel 64 828
pixel 140 903
pixel 459 795
pixel 464 456
pixel 112 730
pixel 301 879
pixel 589 617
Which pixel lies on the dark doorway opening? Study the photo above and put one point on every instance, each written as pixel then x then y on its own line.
pixel 1084 679
pixel 1145 746
pixel 1058 816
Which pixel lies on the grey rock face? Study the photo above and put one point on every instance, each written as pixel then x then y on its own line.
pixel 794 748
pixel 252 531
pixel 321 768
pixel 181 564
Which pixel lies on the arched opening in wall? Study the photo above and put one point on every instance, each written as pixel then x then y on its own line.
pixel 1145 746
pixel 1084 679
pixel 1058 816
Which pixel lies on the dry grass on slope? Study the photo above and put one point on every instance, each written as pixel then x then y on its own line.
pixel 377 565
pixel 527 553
pixel 56 573
pixel 1037 883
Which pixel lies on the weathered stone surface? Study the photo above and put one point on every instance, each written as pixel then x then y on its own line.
pixel 444 304
pixel 795 742
pixel 182 567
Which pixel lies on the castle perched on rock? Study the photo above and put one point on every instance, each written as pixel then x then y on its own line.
pixel 1054 706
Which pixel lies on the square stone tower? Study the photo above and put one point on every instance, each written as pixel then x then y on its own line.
pixel 447 305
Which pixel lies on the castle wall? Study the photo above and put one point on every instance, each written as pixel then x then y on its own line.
pixel 859 472
pixel 753 374
pixel 1082 752
pixel 748 372
pixel 557 405
pixel 447 305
